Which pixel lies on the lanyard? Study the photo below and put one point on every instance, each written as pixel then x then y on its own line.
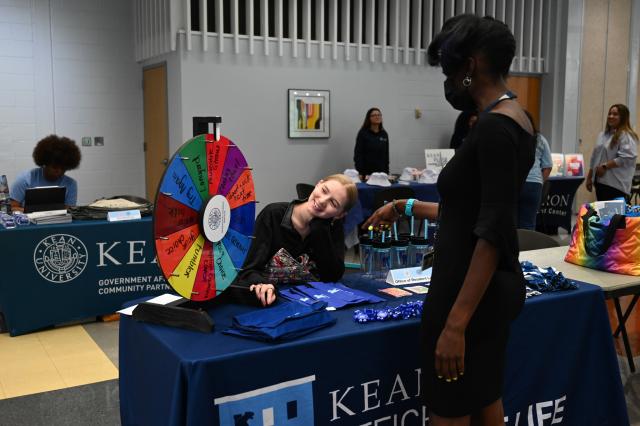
pixel 508 95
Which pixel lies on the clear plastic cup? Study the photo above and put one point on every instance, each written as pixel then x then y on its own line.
pixel 399 253
pixel 418 247
pixel 366 256
pixel 381 259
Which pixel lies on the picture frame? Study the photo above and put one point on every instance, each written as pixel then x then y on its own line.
pixel 309 114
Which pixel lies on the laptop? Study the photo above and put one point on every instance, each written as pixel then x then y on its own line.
pixel 44 198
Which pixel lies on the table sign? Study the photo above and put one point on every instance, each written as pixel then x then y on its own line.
pixel 413 275
pixel 120 215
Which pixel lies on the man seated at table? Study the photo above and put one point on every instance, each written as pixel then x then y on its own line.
pixel 53 155
pixel 298 241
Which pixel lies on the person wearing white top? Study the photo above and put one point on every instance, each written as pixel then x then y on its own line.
pixel 613 160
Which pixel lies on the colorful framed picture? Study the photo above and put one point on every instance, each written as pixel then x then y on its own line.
pixel 309 113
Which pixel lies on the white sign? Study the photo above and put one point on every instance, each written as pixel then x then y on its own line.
pixel 121 215
pixel 409 276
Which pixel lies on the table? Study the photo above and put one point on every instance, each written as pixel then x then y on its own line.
pixel 557 209
pixel 613 285
pixel 60 273
pixel 561 365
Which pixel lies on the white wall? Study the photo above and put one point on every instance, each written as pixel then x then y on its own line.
pixel 250 93
pixel 67 67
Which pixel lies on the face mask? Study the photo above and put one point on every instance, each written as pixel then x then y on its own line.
pixel 460 99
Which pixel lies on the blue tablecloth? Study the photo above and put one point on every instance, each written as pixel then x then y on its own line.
pixel 60 273
pixel 561 365
pixel 366 193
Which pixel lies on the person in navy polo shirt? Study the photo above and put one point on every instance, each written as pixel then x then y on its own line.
pixel 53 155
pixel 371 153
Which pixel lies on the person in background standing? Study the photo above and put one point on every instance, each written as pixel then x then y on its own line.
pixel 371 153
pixel 531 193
pixel 613 160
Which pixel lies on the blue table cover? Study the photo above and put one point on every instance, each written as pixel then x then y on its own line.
pixel 561 366
pixel 556 210
pixel 65 272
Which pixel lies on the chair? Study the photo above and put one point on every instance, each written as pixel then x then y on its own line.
pixel 304 190
pixel 533 240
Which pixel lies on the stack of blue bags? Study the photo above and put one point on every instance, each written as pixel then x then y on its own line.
pixel 336 295
pixel 284 321
pixel 545 279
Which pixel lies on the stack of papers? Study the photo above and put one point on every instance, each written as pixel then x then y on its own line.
pixel 49 217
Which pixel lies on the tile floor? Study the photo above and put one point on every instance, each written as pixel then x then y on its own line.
pixel 68 375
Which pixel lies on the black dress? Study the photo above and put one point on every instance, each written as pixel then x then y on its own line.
pixel 479 189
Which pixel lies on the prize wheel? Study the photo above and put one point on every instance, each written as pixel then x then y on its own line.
pixel 203 217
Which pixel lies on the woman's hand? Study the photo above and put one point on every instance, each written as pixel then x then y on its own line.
pixel 450 354
pixel 589 181
pixel 385 215
pixel 266 293
pixel 600 170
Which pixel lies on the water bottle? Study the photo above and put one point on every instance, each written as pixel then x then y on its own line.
pixel 399 253
pixel 366 256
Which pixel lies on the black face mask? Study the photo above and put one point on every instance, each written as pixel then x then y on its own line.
pixel 460 99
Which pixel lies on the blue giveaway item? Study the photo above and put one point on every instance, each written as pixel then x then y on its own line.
pixel 545 279
pixel 285 321
pixel 404 311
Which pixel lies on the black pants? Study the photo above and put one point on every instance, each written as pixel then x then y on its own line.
pixel 606 193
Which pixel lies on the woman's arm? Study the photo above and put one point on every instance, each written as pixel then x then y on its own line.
pixel 391 212
pixel 450 348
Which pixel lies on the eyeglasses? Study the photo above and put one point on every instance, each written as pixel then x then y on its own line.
pixel 375 115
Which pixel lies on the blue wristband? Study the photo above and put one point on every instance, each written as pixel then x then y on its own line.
pixel 408 208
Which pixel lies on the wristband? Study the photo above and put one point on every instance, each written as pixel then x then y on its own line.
pixel 408 209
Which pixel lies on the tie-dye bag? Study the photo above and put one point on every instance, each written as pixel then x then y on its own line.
pixel 612 246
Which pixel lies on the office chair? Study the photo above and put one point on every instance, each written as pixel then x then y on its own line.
pixel 304 190
pixel 533 240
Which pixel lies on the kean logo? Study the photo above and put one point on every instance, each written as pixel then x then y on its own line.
pixel 60 258
pixel 285 404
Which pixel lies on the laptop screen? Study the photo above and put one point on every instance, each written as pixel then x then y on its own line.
pixel 43 198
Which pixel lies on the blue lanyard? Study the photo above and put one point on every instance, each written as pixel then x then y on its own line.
pixel 508 95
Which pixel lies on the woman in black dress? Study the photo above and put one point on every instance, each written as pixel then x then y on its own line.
pixel 477 286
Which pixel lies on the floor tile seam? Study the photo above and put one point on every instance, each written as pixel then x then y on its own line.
pixel 102 350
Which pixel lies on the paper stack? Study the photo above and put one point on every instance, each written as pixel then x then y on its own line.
pixel 49 217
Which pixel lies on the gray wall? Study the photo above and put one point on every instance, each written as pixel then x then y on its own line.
pixel 250 93
pixel 67 67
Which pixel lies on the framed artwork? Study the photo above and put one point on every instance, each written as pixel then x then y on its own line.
pixel 309 113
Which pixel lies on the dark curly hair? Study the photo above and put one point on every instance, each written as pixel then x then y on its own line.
pixel 58 151
pixel 464 35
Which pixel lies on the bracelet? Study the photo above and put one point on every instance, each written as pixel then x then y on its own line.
pixel 408 209
pixel 395 208
pixel 604 165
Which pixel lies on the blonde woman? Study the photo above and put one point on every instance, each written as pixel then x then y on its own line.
pixel 302 227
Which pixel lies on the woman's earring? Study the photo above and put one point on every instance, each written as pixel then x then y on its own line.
pixel 466 82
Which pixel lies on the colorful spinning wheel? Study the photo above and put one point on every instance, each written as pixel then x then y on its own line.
pixel 204 216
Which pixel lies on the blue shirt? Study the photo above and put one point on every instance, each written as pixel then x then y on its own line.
pixel 542 160
pixel 35 177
